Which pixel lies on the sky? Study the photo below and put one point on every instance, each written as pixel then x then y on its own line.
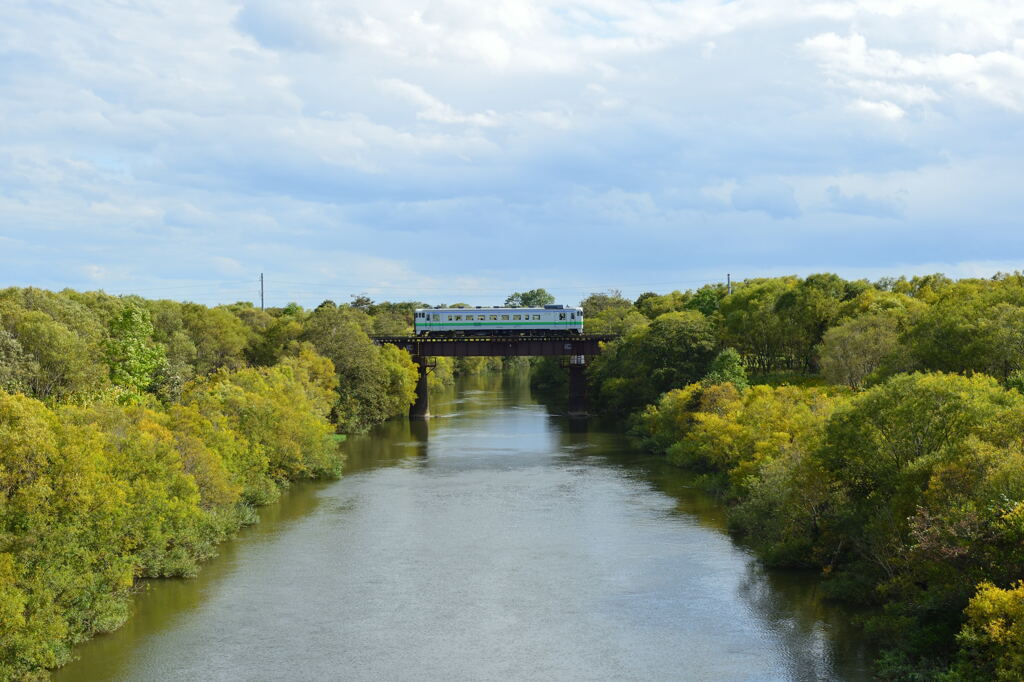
pixel 459 150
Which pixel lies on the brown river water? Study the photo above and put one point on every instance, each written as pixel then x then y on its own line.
pixel 495 542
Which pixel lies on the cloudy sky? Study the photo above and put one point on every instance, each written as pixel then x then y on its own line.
pixel 446 150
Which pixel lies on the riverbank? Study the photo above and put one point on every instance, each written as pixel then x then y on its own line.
pixel 906 496
pixel 540 552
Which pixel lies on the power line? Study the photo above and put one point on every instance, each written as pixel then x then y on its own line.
pixel 471 289
pixel 205 285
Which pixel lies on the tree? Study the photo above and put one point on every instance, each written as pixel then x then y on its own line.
pixel 374 383
pixel 852 351
pixel 130 353
pixel 673 351
pixel 534 298
pixel 810 308
pixel 615 320
pixel 992 640
pixel 361 302
pixel 973 325
pixel 707 298
pixel 752 325
pixel 653 305
pixel 220 338
pixel 61 360
pixel 728 367
pixel 16 366
pixel 598 303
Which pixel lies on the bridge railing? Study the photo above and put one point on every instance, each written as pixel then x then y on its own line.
pixel 498 346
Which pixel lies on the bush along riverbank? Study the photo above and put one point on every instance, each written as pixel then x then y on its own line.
pixel 135 435
pixel 906 496
pixel 94 497
pixel 878 440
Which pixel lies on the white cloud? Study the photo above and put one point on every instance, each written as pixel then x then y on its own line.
pixel 883 109
pixel 433 109
pixel 996 75
pixel 267 134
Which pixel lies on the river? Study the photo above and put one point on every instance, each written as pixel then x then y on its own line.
pixel 494 542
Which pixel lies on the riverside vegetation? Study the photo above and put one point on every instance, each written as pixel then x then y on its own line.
pixel 874 432
pixel 137 434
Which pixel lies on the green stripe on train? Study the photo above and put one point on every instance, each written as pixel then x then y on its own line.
pixel 577 323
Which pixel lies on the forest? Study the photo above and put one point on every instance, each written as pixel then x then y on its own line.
pixel 135 435
pixel 873 432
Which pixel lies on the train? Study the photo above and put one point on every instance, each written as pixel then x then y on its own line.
pixel 549 320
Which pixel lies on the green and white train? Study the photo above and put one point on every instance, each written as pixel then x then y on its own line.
pixel 551 320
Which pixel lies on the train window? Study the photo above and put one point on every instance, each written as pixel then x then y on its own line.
pixel 492 317
pixel 572 316
pixel 480 317
pixel 449 318
pixel 561 316
pixel 458 317
pixel 536 317
pixel 517 317
pixel 437 318
pixel 504 317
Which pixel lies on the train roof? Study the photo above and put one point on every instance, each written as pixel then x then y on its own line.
pixel 505 307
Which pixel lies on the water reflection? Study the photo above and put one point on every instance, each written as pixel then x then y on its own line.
pixel 494 541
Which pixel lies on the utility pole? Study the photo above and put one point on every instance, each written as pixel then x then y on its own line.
pixel 261 291
pixel 728 282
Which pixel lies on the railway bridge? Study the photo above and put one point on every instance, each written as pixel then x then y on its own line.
pixel 576 348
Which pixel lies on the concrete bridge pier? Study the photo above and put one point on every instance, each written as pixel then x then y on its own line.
pixel 577 386
pixel 421 408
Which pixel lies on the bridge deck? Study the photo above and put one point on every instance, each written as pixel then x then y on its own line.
pixel 498 346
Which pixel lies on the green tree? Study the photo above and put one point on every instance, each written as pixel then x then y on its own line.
pixel 676 349
pixel 534 298
pixel 375 383
pixel 652 305
pixel 599 303
pixel 129 351
pixel 992 640
pixel 61 360
pixel 219 337
pixel 16 366
pixel 728 367
pixel 616 320
pixel 767 340
pixel 851 352
pixel 810 308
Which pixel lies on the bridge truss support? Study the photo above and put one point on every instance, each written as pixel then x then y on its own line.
pixel 577 386
pixel 421 408
pixel 576 348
